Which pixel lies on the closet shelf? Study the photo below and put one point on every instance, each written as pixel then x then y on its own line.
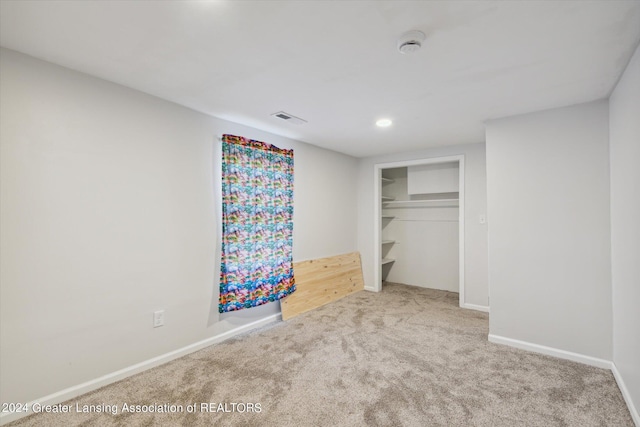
pixel 387 180
pixel 387 261
pixel 387 199
pixel 440 203
pixel 388 216
pixel 388 242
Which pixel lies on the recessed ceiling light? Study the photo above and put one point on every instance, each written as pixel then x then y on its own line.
pixel 383 123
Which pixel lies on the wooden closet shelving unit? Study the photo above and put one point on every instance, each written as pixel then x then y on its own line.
pixel 385 200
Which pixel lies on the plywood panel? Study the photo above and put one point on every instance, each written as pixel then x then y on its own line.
pixel 321 281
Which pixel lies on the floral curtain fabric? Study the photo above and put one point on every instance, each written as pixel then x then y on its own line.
pixel 257 223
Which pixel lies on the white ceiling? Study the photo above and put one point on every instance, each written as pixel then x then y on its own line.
pixel 335 63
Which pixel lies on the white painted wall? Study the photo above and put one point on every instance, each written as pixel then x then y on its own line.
pixel 476 288
pixel 426 248
pixel 549 235
pixel 624 138
pixel 108 213
pixel 436 178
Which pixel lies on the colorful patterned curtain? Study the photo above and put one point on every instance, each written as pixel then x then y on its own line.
pixel 257 223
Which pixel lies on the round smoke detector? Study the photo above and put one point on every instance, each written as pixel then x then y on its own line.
pixel 410 41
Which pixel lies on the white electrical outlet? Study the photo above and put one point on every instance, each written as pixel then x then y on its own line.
pixel 158 318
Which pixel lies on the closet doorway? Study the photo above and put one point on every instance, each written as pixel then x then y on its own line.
pixel 411 198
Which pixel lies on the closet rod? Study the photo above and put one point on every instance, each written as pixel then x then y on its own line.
pixel 387 206
pixel 426 220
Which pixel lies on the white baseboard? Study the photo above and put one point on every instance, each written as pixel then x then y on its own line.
pixel 625 393
pixel 77 390
pixel 576 357
pixel 370 289
pixel 483 308
pixel 550 351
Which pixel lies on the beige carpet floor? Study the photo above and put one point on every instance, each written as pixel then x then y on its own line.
pixel 404 357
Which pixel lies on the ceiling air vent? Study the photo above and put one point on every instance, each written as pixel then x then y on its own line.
pixel 289 118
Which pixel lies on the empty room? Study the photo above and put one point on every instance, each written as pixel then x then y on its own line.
pixel 319 213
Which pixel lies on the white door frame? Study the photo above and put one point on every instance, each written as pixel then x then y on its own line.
pixel 377 231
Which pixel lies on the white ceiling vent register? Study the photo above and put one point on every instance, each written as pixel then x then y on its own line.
pixel 289 118
pixel 411 41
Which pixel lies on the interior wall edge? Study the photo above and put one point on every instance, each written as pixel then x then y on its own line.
pixel 635 414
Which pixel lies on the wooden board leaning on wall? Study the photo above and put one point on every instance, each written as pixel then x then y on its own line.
pixel 321 281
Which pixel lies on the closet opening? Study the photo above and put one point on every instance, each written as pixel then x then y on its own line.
pixel 419 223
